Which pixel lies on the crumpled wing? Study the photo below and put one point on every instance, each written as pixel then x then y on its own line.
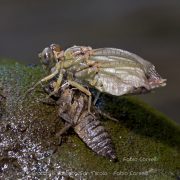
pixel 114 54
pixel 119 72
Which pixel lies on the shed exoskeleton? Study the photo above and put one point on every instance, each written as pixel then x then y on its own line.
pixel 73 109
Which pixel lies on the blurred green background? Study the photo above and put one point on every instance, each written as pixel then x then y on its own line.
pixel 150 29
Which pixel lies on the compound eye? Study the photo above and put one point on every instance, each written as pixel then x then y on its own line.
pixel 55 47
pixel 46 56
pixel 57 52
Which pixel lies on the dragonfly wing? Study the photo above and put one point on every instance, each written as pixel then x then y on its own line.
pixel 119 72
pixel 118 55
pixel 115 80
pixel 118 81
pixel 113 53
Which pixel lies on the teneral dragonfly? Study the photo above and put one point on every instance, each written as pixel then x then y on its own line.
pixel 109 70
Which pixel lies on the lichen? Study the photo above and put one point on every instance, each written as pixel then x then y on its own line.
pixel 147 142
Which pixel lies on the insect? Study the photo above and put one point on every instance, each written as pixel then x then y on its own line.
pixel 109 70
pixel 73 109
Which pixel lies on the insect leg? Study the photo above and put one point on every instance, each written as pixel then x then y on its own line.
pixel 84 90
pixel 57 69
pixel 50 102
pixel 62 131
pixel 57 84
pixel 106 115
pixel 41 81
pixel 96 97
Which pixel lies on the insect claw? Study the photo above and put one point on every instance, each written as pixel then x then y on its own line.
pixel 63 130
pixel 49 102
pixel 90 113
pixel 96 98
pixel 106 115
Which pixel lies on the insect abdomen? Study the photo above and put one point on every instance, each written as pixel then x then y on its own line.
pixel 90 130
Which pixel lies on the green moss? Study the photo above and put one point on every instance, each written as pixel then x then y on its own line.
pixel 143 119
pixel 146 141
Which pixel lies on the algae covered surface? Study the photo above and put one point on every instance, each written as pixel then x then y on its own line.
pixel 147 142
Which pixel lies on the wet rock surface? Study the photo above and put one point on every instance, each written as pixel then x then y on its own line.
pixel 26 140
pixel 146 141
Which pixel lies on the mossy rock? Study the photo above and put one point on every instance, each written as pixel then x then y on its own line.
pixel 147 142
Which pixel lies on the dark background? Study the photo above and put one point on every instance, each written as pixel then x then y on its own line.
pixel 150 29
